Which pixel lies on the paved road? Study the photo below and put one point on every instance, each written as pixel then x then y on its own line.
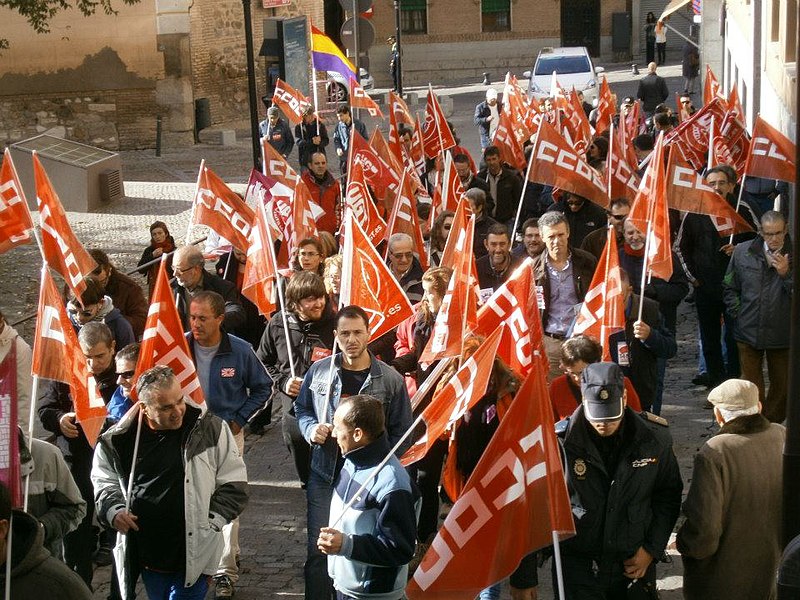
pixel 272 533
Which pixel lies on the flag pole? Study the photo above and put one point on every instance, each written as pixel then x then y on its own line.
pixel 8 554
pixel 524 188
pixel 559 569
pixel 710 160
pixel 610 164
pixel 645 266
pixel 314 79
pixel 738 204
pixel 194 203
pixel 603 329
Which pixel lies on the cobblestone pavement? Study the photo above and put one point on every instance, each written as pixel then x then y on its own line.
pixel 273 526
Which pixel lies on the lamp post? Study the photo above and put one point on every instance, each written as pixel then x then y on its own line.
pixel 251 83
pixel 399 47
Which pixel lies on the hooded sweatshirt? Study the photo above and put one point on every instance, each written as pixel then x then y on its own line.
pixel 120 327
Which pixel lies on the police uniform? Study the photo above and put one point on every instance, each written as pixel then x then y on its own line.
pixel 625 490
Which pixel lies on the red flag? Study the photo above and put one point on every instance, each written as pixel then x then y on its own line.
pixel 382 149
pixel 771 153
pixel 260 274
pixel 731 143
pixel 57 355
pixel 457 315
pixel 734 105
pixel 449 191
pixel 460 394
pixel 506 141
pixel 575 122
pixel 691 136
pixel 524 116
pixel 360 99
pixel 9 459
pixel 688 192
pixel 359 200
pixel 417 154
pixel 649 215
pixel 368 282
pixel 711 87
pixel 622 179
pixel 457 238
pixel 163 342
pixel 301 225
pixel 556 163
pixel 514 501
pixel 634 125
pixel 221 209
pixel 15 218
pixel 290 101
pixel 603 312
pixel 436 134
pixel 62 250
pixel 404 219
pixel 398 113
pixel 514 304
pixel 606 108
pixel 380 175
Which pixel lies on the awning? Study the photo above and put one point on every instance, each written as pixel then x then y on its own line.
pixel 673 6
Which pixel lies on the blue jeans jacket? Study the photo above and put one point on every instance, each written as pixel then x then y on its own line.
pixel 317 402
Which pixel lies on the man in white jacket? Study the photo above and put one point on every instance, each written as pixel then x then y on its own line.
pixel 189 481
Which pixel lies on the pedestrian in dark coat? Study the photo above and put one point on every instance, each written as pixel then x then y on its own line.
pixel 690 67
pixel 652 90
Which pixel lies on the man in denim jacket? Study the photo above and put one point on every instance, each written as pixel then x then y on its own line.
pixel 353 371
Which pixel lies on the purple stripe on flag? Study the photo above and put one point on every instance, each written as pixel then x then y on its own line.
pixel 328 62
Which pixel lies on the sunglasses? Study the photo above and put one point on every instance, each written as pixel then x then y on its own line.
pixel 617 217
pixel 81 312
pixel 126 374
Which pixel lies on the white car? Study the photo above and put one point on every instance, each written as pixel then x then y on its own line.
pixel 339 91
pixel 573 67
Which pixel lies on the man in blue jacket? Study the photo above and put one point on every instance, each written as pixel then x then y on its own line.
pixel 370 547
pixel 354 371
pixel 235 385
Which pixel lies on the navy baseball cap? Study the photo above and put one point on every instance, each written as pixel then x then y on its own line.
pixel 602 387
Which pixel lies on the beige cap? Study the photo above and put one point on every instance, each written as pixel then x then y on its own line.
pixel 734 395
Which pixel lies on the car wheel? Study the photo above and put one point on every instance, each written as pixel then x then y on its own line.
pixel 336 92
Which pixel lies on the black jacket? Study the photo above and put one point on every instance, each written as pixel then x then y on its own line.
pixel 303 134
pixel 489 278
pixel 642 369
pixel 310 340
pixel 254 322
pixel 652 91
pixel 234 313
pixel 582 222
pixel 636 505
pixel 509 191
pixel 482 225
pixel 477 182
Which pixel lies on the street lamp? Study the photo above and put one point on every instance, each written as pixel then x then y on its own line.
pixel 251 83
pixel 399 47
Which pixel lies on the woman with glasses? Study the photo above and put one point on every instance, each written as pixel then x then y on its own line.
pixel 439 232
pixel 309 256
pixel 565 391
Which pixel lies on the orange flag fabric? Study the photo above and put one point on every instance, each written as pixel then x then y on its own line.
pixel 687 192
pixel 301 225
pixel 436 134
pixel 771 153
pixel 163 342
pixel 556 163
pixel 606 107
pixel 380 175
pixel 623 181
pixel 360 99
pixel 691 136
pixel 260 274
pixel 359 200
pixel 15 218
pixel 731 142
pixel 514 501
pixel 290 101
pixel 57 355
pixel 368 282
pixel 603 312
pixel 504 138
pixel 61 249
pixel 221 209
pixel 404 219
pixel 460 394
pixel 514 304
pixel 649 214
pixel 711 86
pixel 276 167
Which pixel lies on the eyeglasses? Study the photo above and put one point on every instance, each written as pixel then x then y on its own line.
pixel 179 271
pixel 617 217
pixel 81 312
pixel 406 255
pixel 126 374
pixel 307 254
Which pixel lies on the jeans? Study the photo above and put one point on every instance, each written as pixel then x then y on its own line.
pixel 774 401
pixel 318 499
pixel 169 586
pixel 710 314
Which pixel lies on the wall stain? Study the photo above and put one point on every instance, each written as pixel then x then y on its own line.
pixel 102 71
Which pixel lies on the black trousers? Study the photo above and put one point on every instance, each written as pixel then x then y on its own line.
pixel 79 545
pixel 428 474
pixel 585 579
pixel 711 314
pixel 662 53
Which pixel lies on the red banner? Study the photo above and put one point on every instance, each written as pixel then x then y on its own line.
pixel 290 101
pixel 301 225
pixel 771 153
pixel 711 87
pixel 731 143
pixel 260 275
pixel 163 342
pixel 574 121
pixel 460 394
pixel 622 179
pixel 221 209
pixel 525 117
pixel 368 282
pixel 377 172
pixel 360 99
pixel 691 136
pixel 436 134
pixel 556 163
pixel 513 502
pixel 603 312
pixel 359 200
pixel 606 107
pixel 62 250
pixel 404 219
pixel 15 218
pixel 510 149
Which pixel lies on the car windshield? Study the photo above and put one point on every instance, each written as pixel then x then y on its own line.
pixel 563 65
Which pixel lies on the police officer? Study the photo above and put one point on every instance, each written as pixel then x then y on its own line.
pixel 625 489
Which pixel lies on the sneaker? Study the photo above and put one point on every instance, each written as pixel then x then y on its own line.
pixel 224 587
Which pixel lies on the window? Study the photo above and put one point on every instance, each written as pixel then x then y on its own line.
pixel 563 65
pixel 495 15
pixel 790 49
pixel 775 23
pixel 414 16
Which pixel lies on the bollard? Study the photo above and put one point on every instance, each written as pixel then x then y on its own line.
pixel 486 79
pixel 158 135
pixel 634 69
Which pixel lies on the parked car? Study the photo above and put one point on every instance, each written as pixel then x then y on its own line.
pixel 573 67
pixel 339 91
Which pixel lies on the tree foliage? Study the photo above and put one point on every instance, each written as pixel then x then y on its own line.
pixel 38 13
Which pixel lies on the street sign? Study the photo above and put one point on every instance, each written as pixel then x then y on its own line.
pixel 366 34
pixel 361 5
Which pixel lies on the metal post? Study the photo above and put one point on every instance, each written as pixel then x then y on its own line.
pixel 791 451
pixel 355 54
pixel 251 81
pixel 399 48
